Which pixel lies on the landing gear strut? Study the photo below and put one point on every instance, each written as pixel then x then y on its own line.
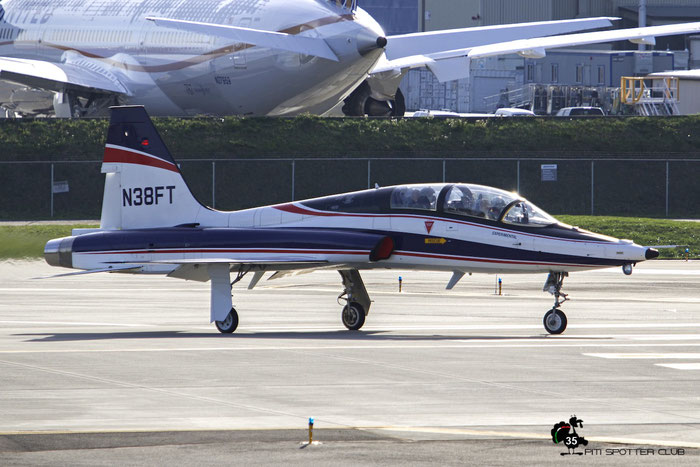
pixel 555 319
pixel 356 298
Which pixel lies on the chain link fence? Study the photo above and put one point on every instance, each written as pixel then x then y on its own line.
pixel 606 186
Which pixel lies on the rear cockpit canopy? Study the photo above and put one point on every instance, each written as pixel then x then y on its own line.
pixel 449 200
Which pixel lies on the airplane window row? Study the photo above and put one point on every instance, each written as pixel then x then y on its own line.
pixel 68 35
pixel 7 33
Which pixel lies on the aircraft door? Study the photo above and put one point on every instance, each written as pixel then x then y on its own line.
pixel 240 57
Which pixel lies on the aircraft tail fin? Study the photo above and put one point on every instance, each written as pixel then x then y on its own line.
pixel 143 186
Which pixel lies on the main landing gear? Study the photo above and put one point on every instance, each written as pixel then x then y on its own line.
pixel 356 298
pixel 225 317
pixel 229 324
pixel 555 319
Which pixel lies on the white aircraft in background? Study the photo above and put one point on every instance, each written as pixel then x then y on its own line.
pixel 152 224
pixel 244 57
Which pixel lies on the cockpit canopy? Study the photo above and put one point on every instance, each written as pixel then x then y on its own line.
pixel 463 200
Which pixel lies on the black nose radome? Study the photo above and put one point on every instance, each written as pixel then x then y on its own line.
pixel 381 42
pixel 651 253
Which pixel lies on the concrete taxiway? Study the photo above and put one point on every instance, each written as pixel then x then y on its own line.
pixel 88 361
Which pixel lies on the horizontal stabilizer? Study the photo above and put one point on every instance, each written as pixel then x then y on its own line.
pixel 305 45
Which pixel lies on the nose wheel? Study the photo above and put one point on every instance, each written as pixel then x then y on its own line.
pixel 555 320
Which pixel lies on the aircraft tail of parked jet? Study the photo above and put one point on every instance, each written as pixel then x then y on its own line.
pixel 143 187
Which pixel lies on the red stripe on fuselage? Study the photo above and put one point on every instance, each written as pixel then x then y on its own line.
pixel 124 156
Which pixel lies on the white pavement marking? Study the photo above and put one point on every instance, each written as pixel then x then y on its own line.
pixel 651 356
pixel 680 366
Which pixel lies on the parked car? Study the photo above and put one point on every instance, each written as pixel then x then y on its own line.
pixel 513 112
pixel 580 112
pixel 445 114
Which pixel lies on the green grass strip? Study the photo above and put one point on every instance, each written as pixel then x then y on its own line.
pixel 28 241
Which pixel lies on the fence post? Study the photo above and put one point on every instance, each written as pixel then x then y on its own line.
pixel 369 173
pixel 592 187
pixel 213 184
pixel 293 176
pixel 517 181
pixel 443 171
pixel 667 183
pixel 52 189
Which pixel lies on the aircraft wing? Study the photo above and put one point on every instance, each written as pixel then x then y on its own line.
pixel 58 77
pixel 452 62
pixel 306 45
pixel 533 47
pixel 426 43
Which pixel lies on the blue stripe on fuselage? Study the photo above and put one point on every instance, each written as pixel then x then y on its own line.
pixel 182 240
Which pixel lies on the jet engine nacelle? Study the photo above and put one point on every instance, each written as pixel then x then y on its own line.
pixel 25 100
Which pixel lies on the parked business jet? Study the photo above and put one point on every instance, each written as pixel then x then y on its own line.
pixel 243 57
pixel 152 224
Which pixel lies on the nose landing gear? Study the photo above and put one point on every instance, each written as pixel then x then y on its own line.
pixel 555 319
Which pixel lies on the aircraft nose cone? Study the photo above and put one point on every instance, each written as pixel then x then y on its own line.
pixel 651 253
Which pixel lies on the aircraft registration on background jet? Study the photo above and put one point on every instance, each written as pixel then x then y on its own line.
pixel 152 224
pixel 245 57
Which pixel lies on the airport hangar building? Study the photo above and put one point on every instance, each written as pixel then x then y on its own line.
pixel 518 76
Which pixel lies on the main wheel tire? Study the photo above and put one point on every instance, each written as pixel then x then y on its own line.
pixel 353 316
pixel 554 321
pixel 228 325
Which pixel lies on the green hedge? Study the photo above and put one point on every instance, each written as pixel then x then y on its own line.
pixel 58 139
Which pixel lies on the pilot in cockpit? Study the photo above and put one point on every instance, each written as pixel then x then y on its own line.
pixel 497 205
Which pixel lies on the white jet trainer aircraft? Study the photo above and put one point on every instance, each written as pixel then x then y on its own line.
pixel 243 57
pixel 152 224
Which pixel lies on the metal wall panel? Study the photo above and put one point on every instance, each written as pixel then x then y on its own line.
pixel 564 9
pixel 441 14
pixel 515 11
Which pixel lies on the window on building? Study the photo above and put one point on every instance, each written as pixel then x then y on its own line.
pixel 530 72
pixel 579 73
pixel 555 73
pixel 601 74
